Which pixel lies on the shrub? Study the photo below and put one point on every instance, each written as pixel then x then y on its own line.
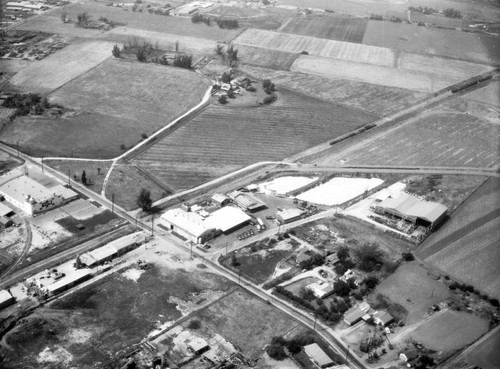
pixel 194 324
pixel 269 99
pixel 408 256
pixel 494 302
pixel 116 51
pixel 223 99
pixel 370 281
pixel 183 61
pixel 276 351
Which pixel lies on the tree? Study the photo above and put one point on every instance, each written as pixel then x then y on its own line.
pixel 82 19
pixel 343 253
pixel 370 281
pixel 223 99
pixel 144 200
pixel 84 177
pixel 63 15
pixel 219 49
pixel 340 269
pixel 276 351
pixel 177 44
pixel 341 288
pixel 369 257
pixel 116 51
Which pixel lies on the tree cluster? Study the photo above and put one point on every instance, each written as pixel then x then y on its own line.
pixel 144 200
pixel 183 61
pixel 278 280
pixel 201 18
pixel 452 13
pixel 26 104
pixel 82 19
pixel 371 343
pixel 269 86
pixel 232 55
pixel 314 261
pixel 116 51
pixel 276 349
pixel 369 257
pixel 227 23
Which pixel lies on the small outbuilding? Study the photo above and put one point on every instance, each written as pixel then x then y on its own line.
pixel 318 356
pixel 198 345
pixel 220 199
pixel 247 202
pixel 353 315
pixel 408 355
pixel 289 215
pixel 383 318
pixel 5 222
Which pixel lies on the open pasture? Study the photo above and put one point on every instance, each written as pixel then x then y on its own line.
pixel 433 41
pixel 345 51
pixel 375 99
pixel 264 18
pixel 357 7
pixel 57 69
pixel 412 283
pixel 224 138
pixel 331 27
pixel 164 41
pixel 446 138
pixel 51 23
pixel 489 94
pixel 466 246
pixel 486 355
pixel 116 103
pixel 450 330
pixel 148 22
pixel 273 59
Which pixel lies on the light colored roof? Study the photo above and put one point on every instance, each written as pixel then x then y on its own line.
pixel 88 260
pixel 9 176
pixel 411 206
pixel 102 253
pixel 227 218
pixel 19 188
pixel 246 200
pixel 5 296
pixel 318 355
pixel 218 197
pixel 198 344
pixel 320 290
pixel 4 210
pixel 189 221
pixel 353 314
pixel 64 192
pixel 73 277
pixel 290 213
pixel 127 240
pixel 383 316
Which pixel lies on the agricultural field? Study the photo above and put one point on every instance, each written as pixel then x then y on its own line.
pixel 449 330
pixel 345 51
pixel 486 355
pixel 125 183
pixel 95 171
pixel 147 22
pixel 364 8
pixel 489 95
pixel 224 138
pixel 107 108
pixel 375 99
pixel 331 27
pixel 91 325
pixel 57 69
pixel 273 59
pixel 447 136
pixel 413 289
pixel 466 246
pixel 440 42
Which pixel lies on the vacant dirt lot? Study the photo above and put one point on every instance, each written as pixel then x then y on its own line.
pixel 334 27
pixel 57 69
pixel 466 247
pixel 411 287
pixel 224 138
pixel 450 330
pixel 375 99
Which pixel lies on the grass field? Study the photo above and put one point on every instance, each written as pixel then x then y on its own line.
pixel 489 94
pixel 274 59
pixel 450 330
pixel 345 51
pixel 91 325
pixel 57 69
pixel 353 7
pixel 224 138
pixel 374 99
pixel 108 109
pixel 246 321
pixel 425 40
pixel 466 247
pixel 266 18
pixel 446 138
pixel 52 24
pixel 329 27
pixel 411 282
pixel 486 355
pixel 126 181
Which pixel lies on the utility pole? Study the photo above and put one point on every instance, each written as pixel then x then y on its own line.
pixel 152 224
pixel 191 244
pixel 315 318
pixel 347 353
pixel 69 177
pixel 17 144
pixel 42 165
pixel 239 275
pixel 113 203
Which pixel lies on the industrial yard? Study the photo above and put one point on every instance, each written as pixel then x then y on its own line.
pixel 272 184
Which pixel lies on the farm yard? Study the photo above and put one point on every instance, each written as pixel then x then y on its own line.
pixel 414 290
pixel 375 99
pixel 223 138
pixel 57 69
pixel 108 109
pixel 332 27
pixel 440 42
pixel 449 330
pixel 466 246
pixel 447 138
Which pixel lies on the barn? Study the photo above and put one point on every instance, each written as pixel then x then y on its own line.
pixel 413 210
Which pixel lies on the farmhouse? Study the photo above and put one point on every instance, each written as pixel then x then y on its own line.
pixel 413 210
pixel 228 219
pixel 383 318
pixel 69 281
pixel 6 299
pixel 247 202
pixel 408 355
pixel 356 313
pixel 320 290
pixel 318 356
pixel 190 225
pixel 30 196
pixel 289 215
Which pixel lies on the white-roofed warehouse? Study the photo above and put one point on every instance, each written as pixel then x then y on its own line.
pixel 414 210
pixel 192 226
pixel 228 219
pixel 317 355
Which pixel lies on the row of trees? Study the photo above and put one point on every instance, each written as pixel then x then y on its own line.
pixel 276 349
pixel 221 22
pixel 26 104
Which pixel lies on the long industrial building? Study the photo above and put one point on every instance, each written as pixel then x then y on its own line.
pixel 6 299
pixel 413 210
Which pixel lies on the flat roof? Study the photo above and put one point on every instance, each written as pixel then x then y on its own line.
pixel 103 252
pixel 87 259
pixel 290 213
pixel 227 218
pixel 126 241
pixel 198 344
pixel 353 314
pixel 4 210
pixel 73 277
pixel 19 188
pixel 64 192
pixel 189 221
pixel 218 197
pixel 5 296
pixel 411 206
pixel 318 355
